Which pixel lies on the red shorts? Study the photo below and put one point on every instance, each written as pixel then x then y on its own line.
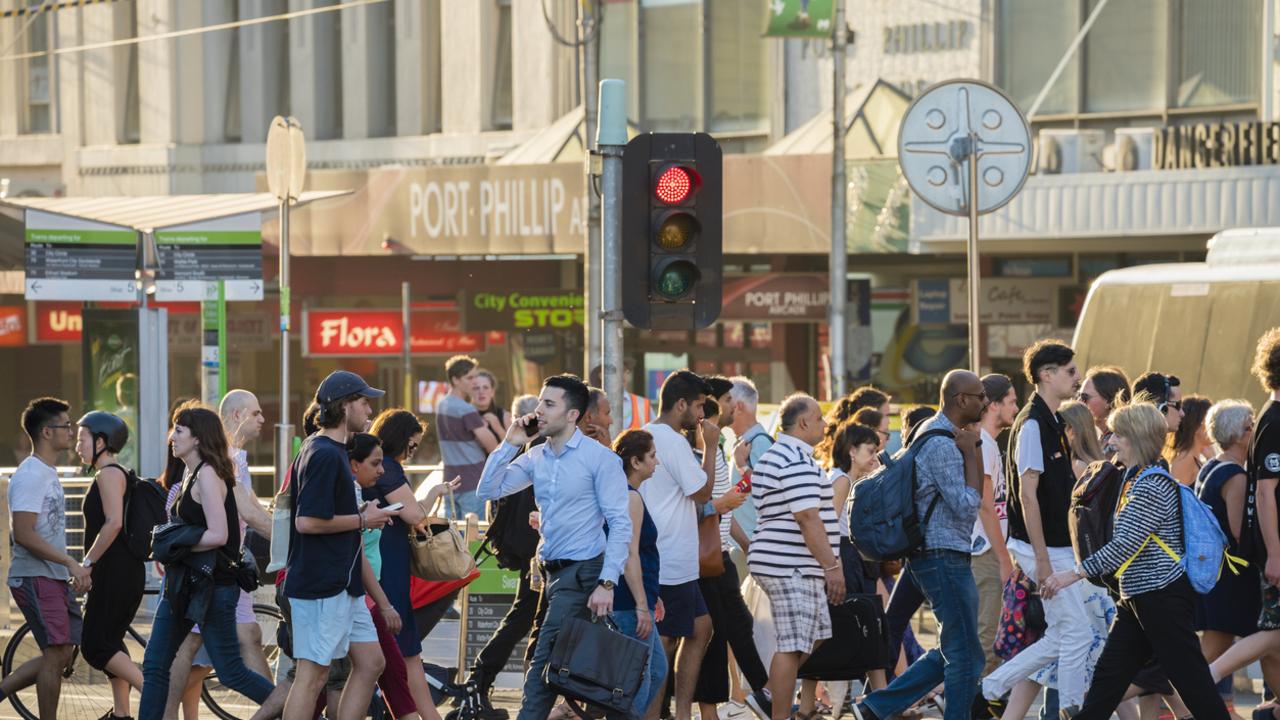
pixel 50 608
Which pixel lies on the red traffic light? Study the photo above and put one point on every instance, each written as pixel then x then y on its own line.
pixel 675 184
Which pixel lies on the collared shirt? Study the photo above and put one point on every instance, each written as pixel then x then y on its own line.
pixel 787 481
pixel 578 491
pixel 940 472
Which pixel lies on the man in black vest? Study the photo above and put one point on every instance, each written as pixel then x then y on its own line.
pixel 1040 480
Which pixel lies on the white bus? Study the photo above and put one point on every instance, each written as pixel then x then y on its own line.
pixel 1199 321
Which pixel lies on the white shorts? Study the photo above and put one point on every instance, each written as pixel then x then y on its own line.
pixel 324 629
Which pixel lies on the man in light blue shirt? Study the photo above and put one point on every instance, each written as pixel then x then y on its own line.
pixel 580 486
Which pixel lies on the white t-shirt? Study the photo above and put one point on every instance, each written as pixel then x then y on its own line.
pixel 842 513
pixel 35 488
pixel 1030 453
pixel 666 495
pixel 993 465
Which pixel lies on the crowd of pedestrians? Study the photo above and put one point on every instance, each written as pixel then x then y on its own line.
pixel 652 527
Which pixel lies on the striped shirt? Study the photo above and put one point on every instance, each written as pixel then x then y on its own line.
pixel 464 456
pixel 1150 505
pixel 786 481
pixel 722 485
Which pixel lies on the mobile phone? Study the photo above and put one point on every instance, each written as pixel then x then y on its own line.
pixel 744 485
pixel 393 507
pixel 531 426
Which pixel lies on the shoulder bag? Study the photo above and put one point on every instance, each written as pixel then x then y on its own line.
pixel 594 663
pixel 441 554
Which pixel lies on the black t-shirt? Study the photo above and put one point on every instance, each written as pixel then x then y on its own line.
pixel 1264 450
pixel 322 566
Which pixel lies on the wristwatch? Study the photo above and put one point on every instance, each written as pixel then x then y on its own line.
pixel 607 584
pixel 88 563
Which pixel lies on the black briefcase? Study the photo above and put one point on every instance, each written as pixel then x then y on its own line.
pixel 594 663
pixel 859 641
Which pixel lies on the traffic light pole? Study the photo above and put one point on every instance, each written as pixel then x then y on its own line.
pixel 839 251
pixel 611 139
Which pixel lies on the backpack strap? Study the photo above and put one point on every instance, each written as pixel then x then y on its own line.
pixel 1177 488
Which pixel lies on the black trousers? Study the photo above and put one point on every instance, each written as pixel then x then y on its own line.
pixel 516 625
pixel 1159 624
pixel 904 601
pixel 732 623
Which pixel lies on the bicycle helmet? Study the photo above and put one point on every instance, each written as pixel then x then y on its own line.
pixel 108 426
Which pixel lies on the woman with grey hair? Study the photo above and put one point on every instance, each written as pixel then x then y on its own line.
pixel 523 405
pixel 1231 609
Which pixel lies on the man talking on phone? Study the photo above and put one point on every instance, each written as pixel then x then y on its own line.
pixel 580 486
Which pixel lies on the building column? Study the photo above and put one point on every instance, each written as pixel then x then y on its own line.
pixel 100 85
pixel 158 73
pixel 465 66
pixel 369 56
pixel 315 70
pixel 417 67
pixel 542 82
pixel 264 69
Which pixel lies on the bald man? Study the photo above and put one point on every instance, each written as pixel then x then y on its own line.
pixel 948 494
pixel 243 420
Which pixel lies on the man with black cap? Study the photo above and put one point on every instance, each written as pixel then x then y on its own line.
pixel 326 557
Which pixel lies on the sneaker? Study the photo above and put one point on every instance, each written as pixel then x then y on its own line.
pixel 733 711
pixel 761 704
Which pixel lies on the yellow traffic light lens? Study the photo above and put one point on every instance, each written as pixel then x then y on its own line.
pixel 676 280
pixel 677 231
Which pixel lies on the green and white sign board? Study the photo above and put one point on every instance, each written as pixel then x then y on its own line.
pixel 801 18
pixel 72 259
pixel 194 258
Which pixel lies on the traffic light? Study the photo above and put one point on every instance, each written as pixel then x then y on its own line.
pixel 671 227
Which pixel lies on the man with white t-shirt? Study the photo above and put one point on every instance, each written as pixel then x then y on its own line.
pixel 678 486
pixel 1040 479
pixel 992 564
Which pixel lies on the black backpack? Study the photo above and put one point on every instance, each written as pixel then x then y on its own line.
pixel 143 510
pixel 509 537
pixel 1091 519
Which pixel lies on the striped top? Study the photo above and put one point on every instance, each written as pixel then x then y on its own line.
pixel 785 481
pixel 463 455
pixel 723 484
pixel 1149 505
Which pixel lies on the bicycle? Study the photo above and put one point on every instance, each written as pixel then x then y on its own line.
pixel 86 693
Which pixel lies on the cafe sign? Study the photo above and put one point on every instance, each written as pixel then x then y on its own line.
pixel 1208 145
pixel 523 310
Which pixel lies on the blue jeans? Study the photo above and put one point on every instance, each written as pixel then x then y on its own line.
pixel 219 631
pixel 947 581
pixel 467 502
pixel 656 673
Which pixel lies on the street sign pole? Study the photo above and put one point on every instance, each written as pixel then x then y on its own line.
pixel 406 349
pixel 611 139
pixel 839 249
pixel 286 175
pixel 965 149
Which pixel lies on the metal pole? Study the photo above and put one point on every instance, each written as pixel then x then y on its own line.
pixel 839 250
pixel 407 350
pixel 975 280
pixel 590 76
pixel 222 339
pixel 611 142
pixel 284 428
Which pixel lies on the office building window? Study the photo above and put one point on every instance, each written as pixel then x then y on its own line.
pixel 1033 35
pixel 1125 56
pixel 1219 44
pixel 38 81
pixel 500 108
pixel 737 70
pixel 671 49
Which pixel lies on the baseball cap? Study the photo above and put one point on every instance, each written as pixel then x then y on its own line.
pixel 342 383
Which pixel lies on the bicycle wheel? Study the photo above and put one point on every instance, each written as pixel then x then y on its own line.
pixel 226 703
pixel 86 693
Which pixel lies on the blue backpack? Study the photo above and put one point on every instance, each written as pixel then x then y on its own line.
pixel 1205 544
pixel 882 517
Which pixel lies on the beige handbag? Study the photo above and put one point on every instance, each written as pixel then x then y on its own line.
pixel 442 554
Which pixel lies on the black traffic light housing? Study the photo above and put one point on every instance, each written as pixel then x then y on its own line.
pixel 672 208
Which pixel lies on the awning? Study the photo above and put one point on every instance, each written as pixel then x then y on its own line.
pixel 152 212
pixel 561 141
pixel 873 113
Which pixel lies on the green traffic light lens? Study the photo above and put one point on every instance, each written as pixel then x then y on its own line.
pixel 676 280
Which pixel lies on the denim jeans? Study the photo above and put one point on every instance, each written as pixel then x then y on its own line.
pixel 219 632
pixel 656 673
pixel 946 579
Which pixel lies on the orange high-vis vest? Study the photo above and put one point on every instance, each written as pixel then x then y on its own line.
pixel 641 409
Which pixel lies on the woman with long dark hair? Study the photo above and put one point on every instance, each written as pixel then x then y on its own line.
pixel 119 576
pixel 205 500
pixel 1188 447
pixel 399 432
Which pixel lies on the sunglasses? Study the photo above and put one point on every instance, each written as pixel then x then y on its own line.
pixel 413 447
pixel 1085 397
pixel 64 426
pixel 1175 404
